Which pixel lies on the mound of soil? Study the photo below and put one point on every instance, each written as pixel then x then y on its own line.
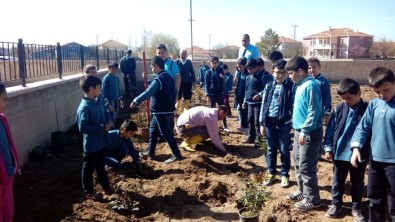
pixel 202 187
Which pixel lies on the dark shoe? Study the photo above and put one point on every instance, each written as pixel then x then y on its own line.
pixel 94 196
pixel 296 196
pixel 358 216
pixel 108 191
pixel 333 211
pixel 172 159
pixel 306 204
pixel 249 141
pixel 146 154
pixel 161 140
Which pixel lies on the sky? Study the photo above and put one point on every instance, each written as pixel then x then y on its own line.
pixel 216 22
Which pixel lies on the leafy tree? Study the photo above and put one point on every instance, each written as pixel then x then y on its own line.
pixel 269 42
pixel 293 50
pixel 169 41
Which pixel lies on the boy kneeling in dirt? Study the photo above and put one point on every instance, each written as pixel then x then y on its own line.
pixel 121 145
pixel 200 123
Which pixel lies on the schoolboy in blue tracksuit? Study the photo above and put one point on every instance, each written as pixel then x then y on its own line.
pixel 214 86
pixel 339 131
pixel 276 122
pixel 325 86
pixel 307 123
pixel 240 93
pixel 112 89
pixel 255 83
pixel 121 145
pixel 163 94
pixel 379 123
pixel 94 123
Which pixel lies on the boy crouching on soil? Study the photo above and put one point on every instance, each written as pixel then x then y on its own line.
pixel 163 94
pixel 94 123
pixel 121 145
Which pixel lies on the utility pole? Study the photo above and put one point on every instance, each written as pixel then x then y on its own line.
pixel 191 20
pixel 209 45
pixel 294 37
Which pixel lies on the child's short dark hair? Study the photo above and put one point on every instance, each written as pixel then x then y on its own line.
pixel 214 58
pixel 88 81
pixel 260 62
pixel 275 55
pixel 348 86
pixel 380 75
pixel 251 63
pixel 88 68
pixel 280 64
pixel 224 66
pixel 314 60
pixel 2 88
pixel 161 46
pixel 129 125
pixel 242 61
pixel 156 60
pixel 113 65
pixel 297 63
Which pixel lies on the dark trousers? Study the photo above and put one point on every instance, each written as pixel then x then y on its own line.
pixel 113 159
pixel 160 124
pixel 243 113
pixel 130 82
pixel 357 175
pixel 218 99
pixel 92 161
pixel 253 120
pixel 226 102
pixel 278 140
pixel 185 91
pixel 381 185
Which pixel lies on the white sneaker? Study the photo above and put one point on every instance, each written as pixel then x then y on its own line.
pixel 284 182
pixel 227 130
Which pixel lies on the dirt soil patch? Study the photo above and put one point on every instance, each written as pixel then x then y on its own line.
pixel 202 187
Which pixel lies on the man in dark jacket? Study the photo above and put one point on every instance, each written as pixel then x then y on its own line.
pixel 187 80
pixel 128 69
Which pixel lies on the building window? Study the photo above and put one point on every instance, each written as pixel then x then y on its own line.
pixel 343 41
pixel 311 53
pixel 320 42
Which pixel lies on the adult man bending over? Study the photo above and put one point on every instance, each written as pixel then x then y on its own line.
pixel 200 123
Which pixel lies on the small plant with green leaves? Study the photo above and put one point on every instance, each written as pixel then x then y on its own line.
pixel 124 204
pixel 254 195
pixel 263 144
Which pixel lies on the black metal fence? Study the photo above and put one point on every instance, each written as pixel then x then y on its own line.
pixel 21 62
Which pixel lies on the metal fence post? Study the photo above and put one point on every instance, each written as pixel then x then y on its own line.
pixel 22 62
pixel 97 57
pixel 59 59
pixel 108 56
pixel 82 56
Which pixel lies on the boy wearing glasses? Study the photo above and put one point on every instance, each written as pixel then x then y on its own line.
pixel 276 122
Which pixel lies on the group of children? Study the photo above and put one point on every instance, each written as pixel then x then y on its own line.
pixel 295 96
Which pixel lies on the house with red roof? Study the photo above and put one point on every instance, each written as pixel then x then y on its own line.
pixel 337 43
